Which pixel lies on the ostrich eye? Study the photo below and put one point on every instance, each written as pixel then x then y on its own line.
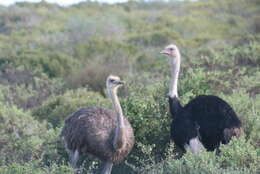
pixel 171 49
pixel 112 80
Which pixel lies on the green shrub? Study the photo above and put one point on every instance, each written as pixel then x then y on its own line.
pixel 54 64
pixel 56 109
pixel 154 38
pixel 100 58
pixel 146 108
pixel 238 157
pixel 29 94
pixel 239 154
pixel 21 136
pixel 246 55
pixel 246 109
pixel 45 58
pixel 34 168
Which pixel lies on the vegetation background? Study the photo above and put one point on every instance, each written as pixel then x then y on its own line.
pixel 55 59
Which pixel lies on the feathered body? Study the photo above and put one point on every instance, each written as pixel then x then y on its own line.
pixel 92 129
pixel 103 133
pixel 208 117
pixel 205 121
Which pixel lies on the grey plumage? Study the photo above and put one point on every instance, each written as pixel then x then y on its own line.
pixel 91 130
pixel 104 133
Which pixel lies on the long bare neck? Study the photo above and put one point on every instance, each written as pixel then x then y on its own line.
pixel 119 132
pixel 175 68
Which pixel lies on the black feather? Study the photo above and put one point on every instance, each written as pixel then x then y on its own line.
pixel 208 117
pixel 175 106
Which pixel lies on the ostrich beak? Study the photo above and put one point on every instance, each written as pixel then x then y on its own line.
pixel 120 82
pixel 165 52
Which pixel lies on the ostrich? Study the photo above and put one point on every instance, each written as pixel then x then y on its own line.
pixel 205 122
pixel 104 133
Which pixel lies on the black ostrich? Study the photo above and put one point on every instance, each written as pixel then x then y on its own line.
pixel 205 121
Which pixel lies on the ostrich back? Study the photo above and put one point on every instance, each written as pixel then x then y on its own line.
pixel 216 119
pixel 92 129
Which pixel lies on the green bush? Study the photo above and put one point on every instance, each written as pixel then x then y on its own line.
pixel 155 38
pixel 100 58
pixel 36 61
pixel 56 109
pixel 45 58
pixel 238 157
pixel 21 136
pixel 31 93
pixel 246 109
pixel 34 167
pixel 239 154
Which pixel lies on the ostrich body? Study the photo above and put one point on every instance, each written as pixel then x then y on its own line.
pixel 205 122
pixel 104 133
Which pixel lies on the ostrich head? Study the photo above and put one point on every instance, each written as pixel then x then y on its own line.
pixel 113 82
pixel 171 51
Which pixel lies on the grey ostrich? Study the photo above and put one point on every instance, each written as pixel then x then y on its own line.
pixel 104 133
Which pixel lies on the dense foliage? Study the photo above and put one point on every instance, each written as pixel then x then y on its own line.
pixel 55 59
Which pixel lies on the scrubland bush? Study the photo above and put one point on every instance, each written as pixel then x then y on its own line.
pixel 18 18
pixel 56 109
pixel 21 136
pixel 100 57
pixel 239 154
pixel 147 110
pixel 52 64
pixel 238 157
pixel 30 93
pixel 249 116
pixel 155 38
pixel 82 28
pixel 49 54
pixel 33 167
